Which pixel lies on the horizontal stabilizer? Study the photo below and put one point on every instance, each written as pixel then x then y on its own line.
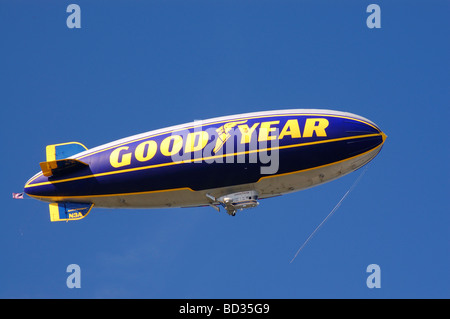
pixel 66 211
pixel 64 150
pixel 58 167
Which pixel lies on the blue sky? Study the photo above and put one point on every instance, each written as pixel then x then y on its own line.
pixel 135 66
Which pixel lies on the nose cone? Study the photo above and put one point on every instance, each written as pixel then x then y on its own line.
pixel 363 136
pixel 360 126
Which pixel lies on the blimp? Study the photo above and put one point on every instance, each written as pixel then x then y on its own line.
pixel 228 163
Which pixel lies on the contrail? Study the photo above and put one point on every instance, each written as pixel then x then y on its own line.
pixel 332 212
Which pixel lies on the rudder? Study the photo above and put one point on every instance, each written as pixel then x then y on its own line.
pixel 64 150
pixel 65 211
pixel 57 161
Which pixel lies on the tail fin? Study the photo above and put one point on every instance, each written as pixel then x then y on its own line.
pixel 57 161
pixel 64 150
pixel 61 166
pixel 66 211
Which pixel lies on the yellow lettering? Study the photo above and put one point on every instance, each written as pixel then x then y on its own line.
pixel 265 129
pixel 150 147
pixel 116 160
pixel 247 132
pixel 196 141
pixel 290 128
pixel 176 147
pixel 317 125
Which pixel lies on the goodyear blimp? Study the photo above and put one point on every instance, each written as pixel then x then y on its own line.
pixel 230 162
